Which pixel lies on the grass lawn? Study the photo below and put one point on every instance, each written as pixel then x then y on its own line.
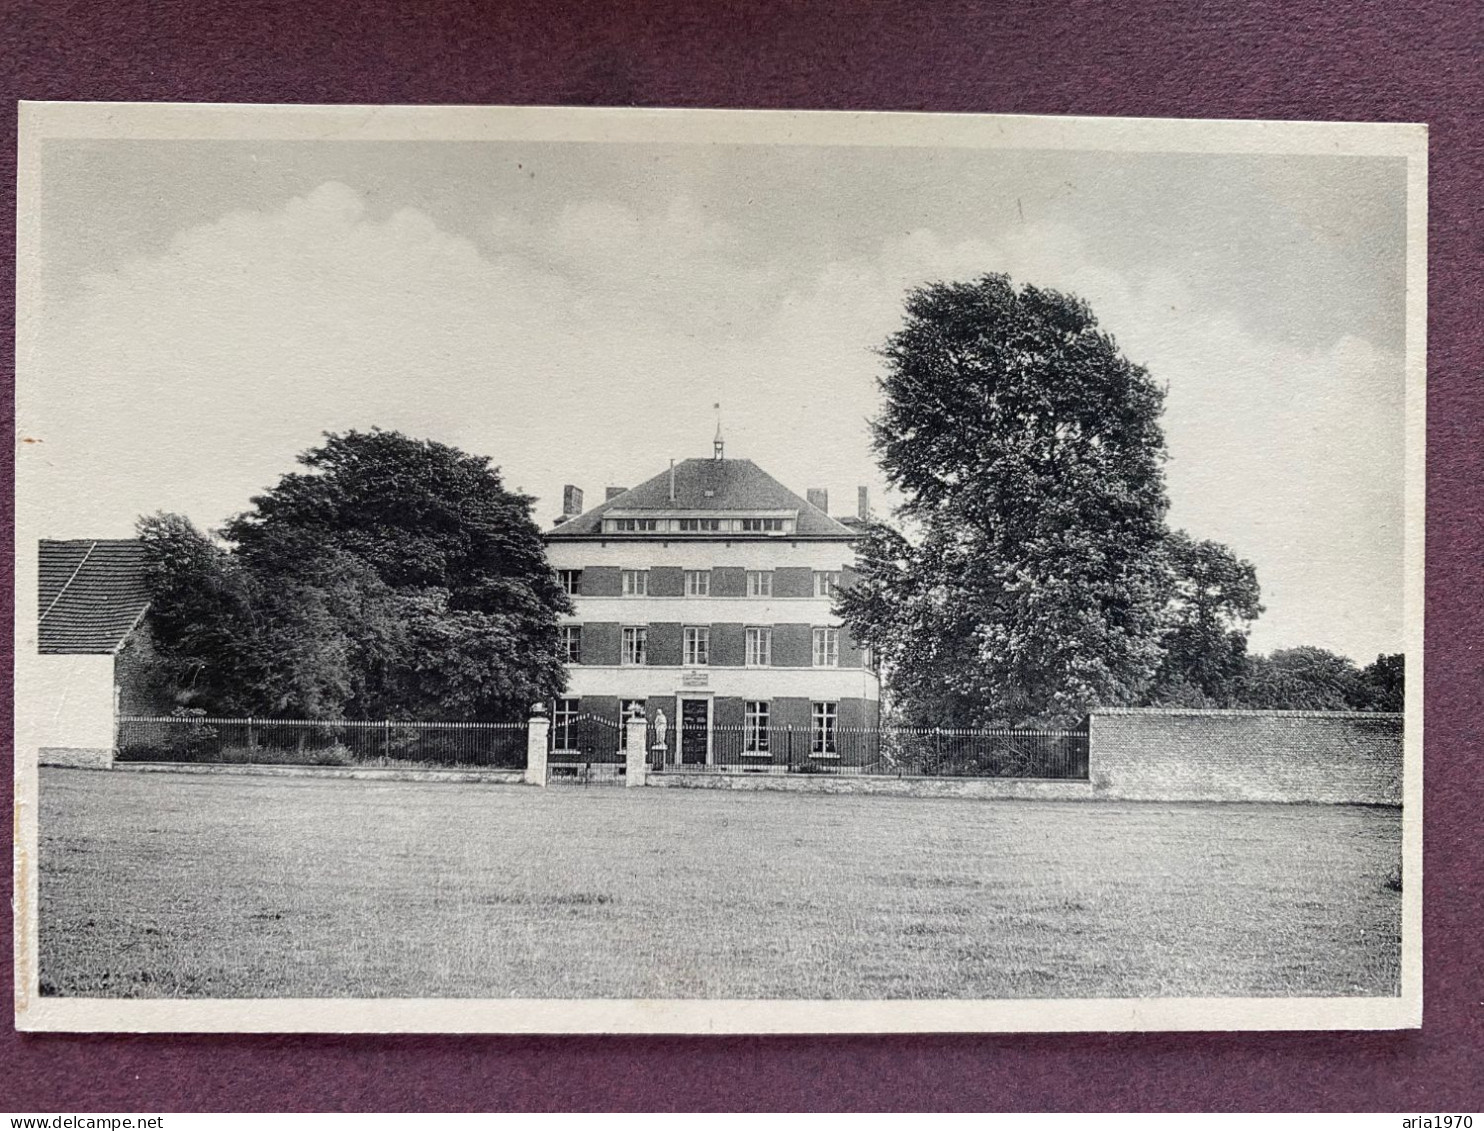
pixel 174 885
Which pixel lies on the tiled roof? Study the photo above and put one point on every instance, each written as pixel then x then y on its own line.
pixel 92 594
pixel 734 485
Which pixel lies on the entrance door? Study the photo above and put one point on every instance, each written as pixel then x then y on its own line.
pixel 695 727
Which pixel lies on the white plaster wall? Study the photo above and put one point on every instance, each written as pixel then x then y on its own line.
pixel 64 701
pixel 749 683
pixel 700 554
pixel 702 610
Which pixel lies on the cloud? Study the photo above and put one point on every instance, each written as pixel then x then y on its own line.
pixel 590 349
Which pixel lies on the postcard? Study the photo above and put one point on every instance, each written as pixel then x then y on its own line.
pixel 489 569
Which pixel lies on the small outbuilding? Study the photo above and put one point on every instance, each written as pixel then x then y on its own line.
pixel 92 649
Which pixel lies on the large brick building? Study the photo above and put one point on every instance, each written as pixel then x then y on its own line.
pixel 705 593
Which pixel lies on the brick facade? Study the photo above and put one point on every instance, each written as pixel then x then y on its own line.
pixel 1293 756
pixel 666 581
pixel 731 522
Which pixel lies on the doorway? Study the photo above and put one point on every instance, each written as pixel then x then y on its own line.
pixel 695 732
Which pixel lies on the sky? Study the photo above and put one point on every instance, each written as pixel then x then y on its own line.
pixel 576 310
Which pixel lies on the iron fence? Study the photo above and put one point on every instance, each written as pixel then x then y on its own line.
pixel 583 747
pixel 891 751
pixel 587 746
pixel 307 742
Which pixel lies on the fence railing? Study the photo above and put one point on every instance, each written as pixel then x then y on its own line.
pixel 586 741
pixel 289 742
pixel 892 751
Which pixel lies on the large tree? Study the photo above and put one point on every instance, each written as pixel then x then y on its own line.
pixel 1030 457
pixel 392 578
pixel 1214 599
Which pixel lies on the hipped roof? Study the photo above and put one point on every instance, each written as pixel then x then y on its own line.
pixel 734 485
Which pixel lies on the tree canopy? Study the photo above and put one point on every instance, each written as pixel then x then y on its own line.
pixel 392 578
pixel 1213 600
pixel 1028 451
pixel 1034 576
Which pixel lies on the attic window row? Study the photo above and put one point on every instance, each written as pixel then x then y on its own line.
pixel 757 525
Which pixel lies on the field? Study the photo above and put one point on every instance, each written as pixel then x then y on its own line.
pixel 176 885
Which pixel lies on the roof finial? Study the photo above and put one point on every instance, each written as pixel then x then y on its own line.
pixel 717 445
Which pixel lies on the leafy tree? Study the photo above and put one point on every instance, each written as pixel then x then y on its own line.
pixel 197 608
pixel 914 626
pixel 1214 600
pixel 1029 453
pixel 393 578
pixel 1300 679
pixel 1383 684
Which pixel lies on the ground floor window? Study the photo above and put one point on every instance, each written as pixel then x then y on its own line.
pixel 755 733
pixel 563 722
pixel 625 713
pixel 822 730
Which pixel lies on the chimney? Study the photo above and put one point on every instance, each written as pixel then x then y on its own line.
pixel 863 503
pixel 818 497
pixel 571 500
pixel 613 493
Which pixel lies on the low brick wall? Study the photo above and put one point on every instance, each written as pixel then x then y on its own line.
pixel 76 757
pixel 1294 756
pixel 983 789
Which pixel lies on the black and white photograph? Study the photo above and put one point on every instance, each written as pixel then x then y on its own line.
pixel 573 570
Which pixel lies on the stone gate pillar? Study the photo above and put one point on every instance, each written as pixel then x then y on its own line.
pixel 538 734
pixel 636 760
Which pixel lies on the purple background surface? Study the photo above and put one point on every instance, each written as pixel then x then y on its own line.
pixel 1309 59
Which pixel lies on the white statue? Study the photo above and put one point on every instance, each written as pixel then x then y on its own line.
pixel 659 728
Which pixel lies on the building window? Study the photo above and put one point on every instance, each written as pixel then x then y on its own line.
pixel 563 723
pixel 626 712
pixel 822 732
pixel 572 643
pixel 636 583
pixel 697 583
pixel 759 583
pixel 762 525
pixel 697 647
pixel 826 582
pixel 635 525
pixel 759 651
pixel 699 525
pixel 571 580
pixel 635 645
pixel 826 647
pixel 755 733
